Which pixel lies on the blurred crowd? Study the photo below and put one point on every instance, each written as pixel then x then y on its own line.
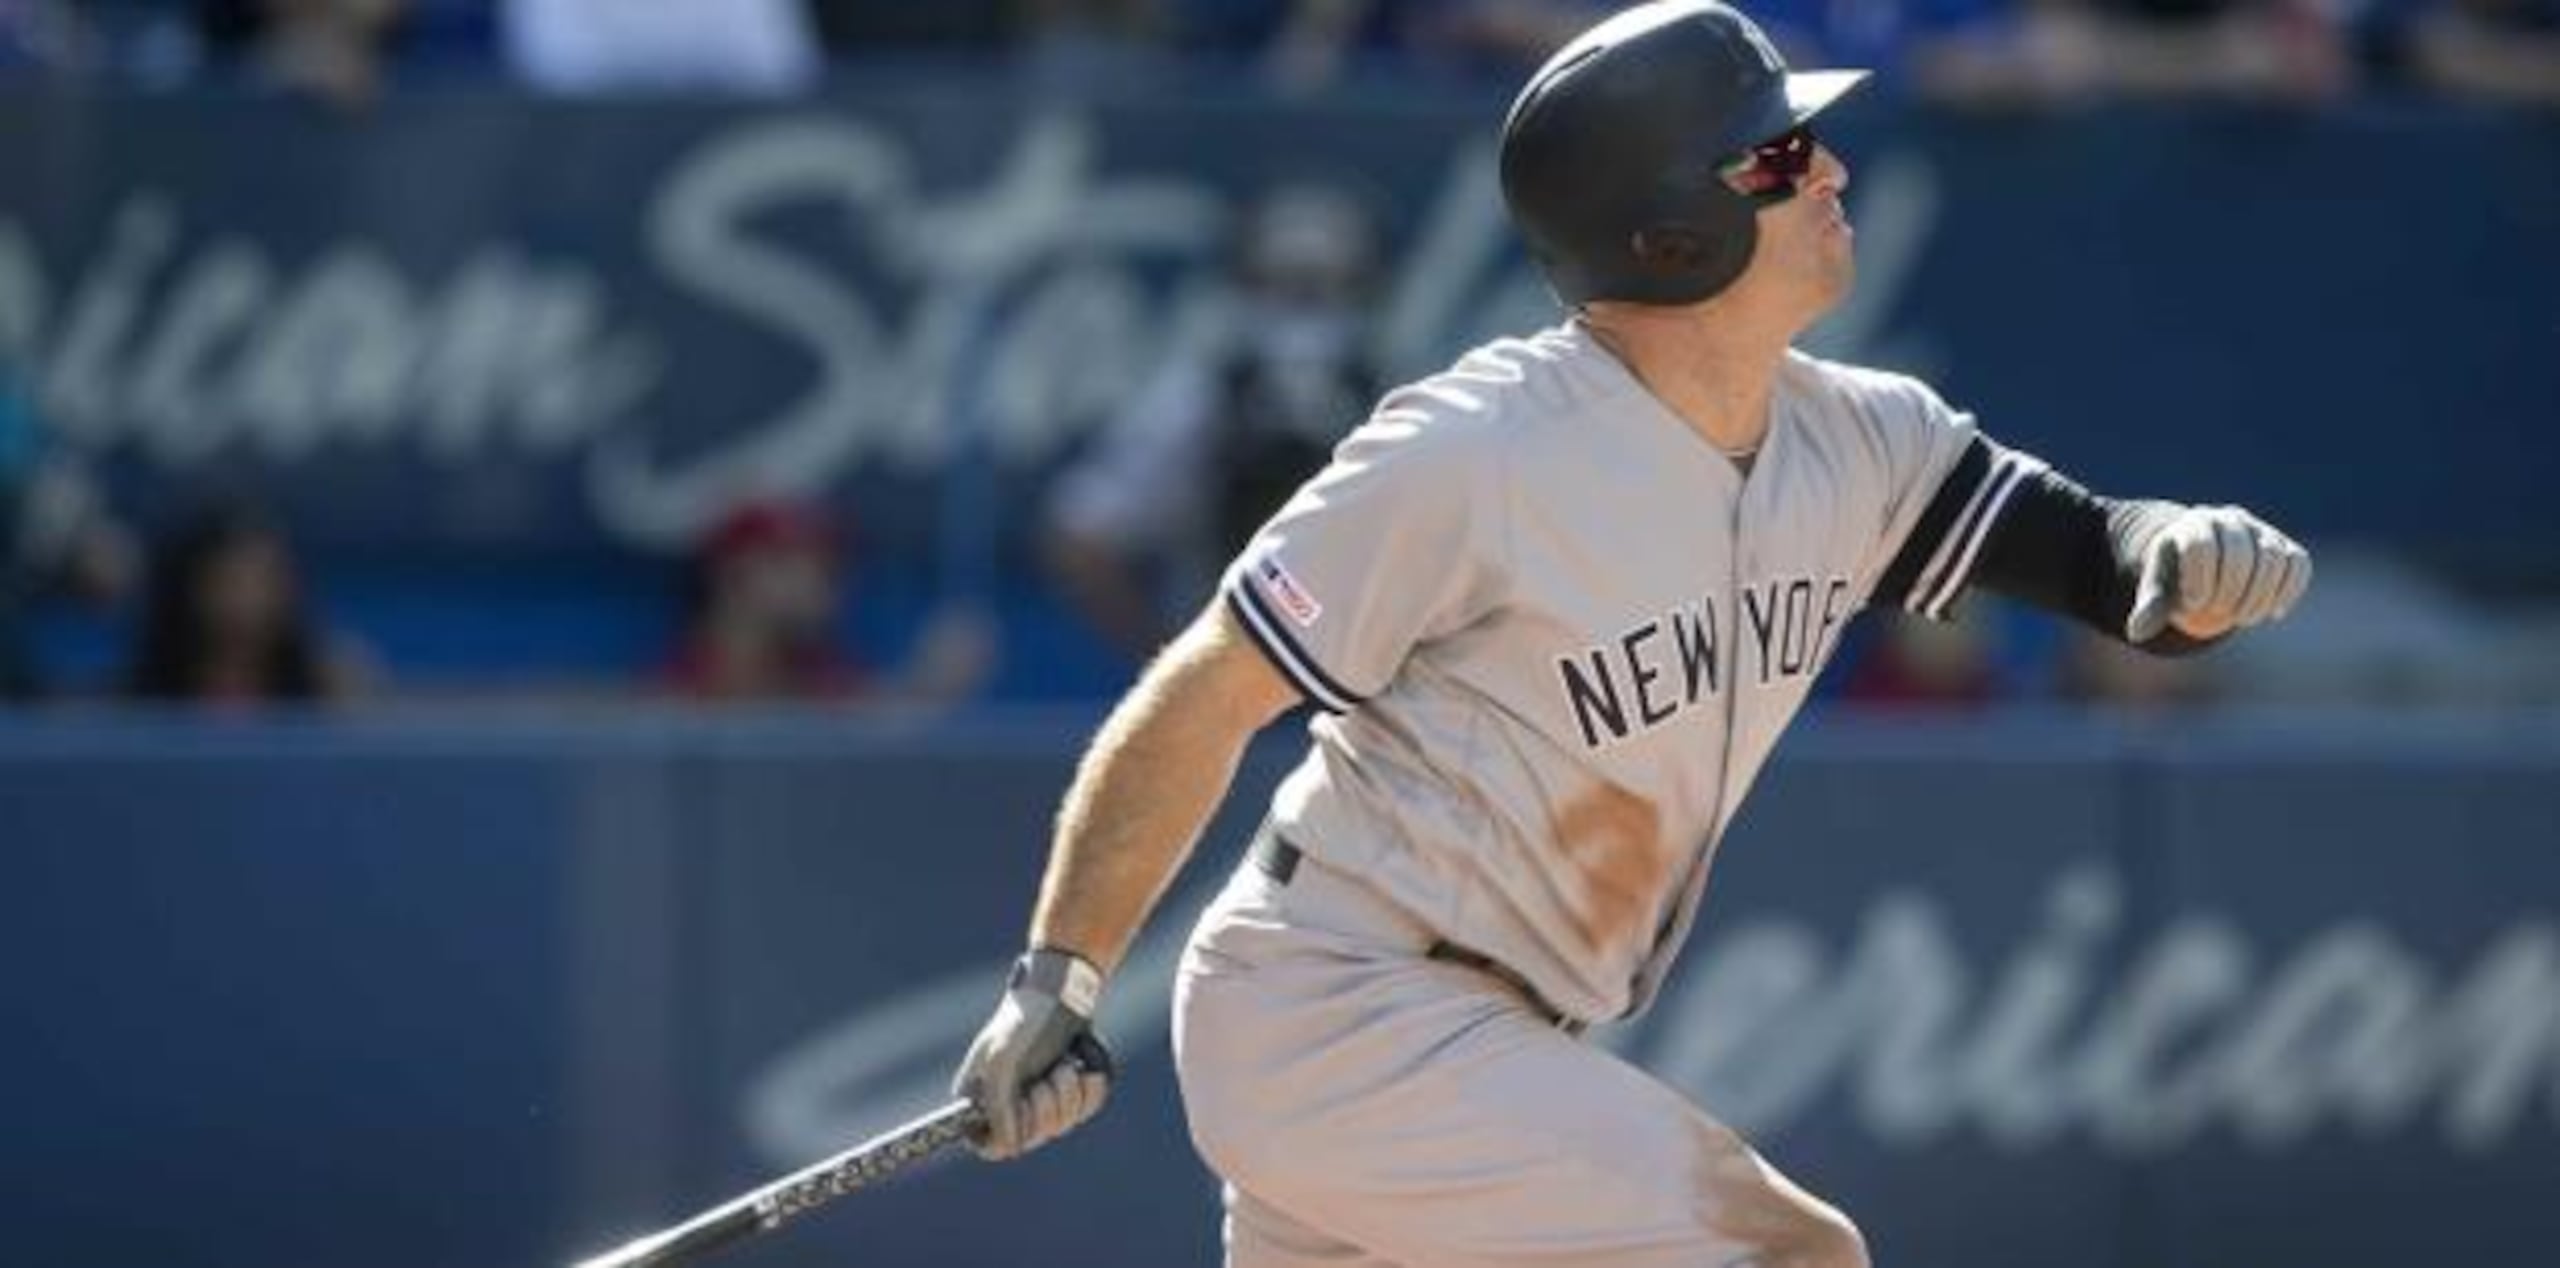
pixel 211 607
pixel 209 604
pixel 1982 53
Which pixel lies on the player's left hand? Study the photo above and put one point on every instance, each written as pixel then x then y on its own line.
pixel 2215 569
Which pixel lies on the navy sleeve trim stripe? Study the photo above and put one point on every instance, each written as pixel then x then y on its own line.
pixel 2009 470
pixel 1937 560
pixel 1965 480
pixel 1284 651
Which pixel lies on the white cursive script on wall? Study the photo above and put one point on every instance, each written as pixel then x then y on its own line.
pixel 1011 315
pixel 1046 235
pixel 2135 1047
pixel 178 348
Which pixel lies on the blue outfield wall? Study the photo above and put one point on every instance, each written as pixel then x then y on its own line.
pixel 419 994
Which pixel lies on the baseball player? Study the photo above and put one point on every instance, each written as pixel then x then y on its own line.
pixel 1555 605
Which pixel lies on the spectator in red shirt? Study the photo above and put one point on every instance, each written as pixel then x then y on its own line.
pixel 761 613
pixel 763 619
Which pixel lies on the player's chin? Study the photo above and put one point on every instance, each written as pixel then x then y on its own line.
pixel 1837 278
pixel 1840 249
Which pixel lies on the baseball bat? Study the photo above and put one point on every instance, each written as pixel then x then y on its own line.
pixel 769 1206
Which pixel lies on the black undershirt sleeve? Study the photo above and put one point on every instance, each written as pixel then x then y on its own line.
pixel 2009 524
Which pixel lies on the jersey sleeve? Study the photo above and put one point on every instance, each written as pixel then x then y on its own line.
pixel 1946 485
pixel 1386 547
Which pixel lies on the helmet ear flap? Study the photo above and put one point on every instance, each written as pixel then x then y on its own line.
pixel 1688 262
pixel 1671 250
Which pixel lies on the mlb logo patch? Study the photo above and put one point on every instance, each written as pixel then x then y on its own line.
pixel 1285 590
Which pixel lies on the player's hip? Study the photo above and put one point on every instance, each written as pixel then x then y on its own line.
pixel 1307 993
pixel 1303 985
pixel 1280 905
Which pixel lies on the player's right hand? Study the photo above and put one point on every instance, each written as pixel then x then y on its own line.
pixel 1037 1069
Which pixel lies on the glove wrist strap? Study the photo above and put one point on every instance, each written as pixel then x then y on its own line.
pixel 1062 975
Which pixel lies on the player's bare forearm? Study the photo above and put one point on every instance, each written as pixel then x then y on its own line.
pixel 1148 784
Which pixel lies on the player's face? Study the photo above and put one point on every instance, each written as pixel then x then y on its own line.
pixel 1805 242
pixel 1821 198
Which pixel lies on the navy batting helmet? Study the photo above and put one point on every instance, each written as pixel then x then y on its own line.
pixel 1614 155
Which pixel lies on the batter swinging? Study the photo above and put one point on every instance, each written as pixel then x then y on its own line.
pixel 1556 604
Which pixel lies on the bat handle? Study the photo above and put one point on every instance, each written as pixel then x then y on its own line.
pixel 1093 1055
pixel 1089 1053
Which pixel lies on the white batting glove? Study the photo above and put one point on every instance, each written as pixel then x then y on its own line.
pixel 2215 569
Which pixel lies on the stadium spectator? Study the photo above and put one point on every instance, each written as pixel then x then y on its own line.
pixel 760 611
pixel 56 536
pixel 335 51
pixel 587 46
pixel 226 623
pixel 849 28
pixel 1078 43
pixel 1305 45
pixel 1229 425
pixel 44 36
pixel 2101 672
pixel 2505 51
pixel 1909 663
pixel 1874 34
pixel 762 622
pixel 2043 53
pixel 1501 39
pixel 2389 631
pixel 439 36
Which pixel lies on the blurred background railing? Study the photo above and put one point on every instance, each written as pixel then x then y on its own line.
pixel 554 557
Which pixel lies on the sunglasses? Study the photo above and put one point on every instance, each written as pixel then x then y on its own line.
pixel 1772 167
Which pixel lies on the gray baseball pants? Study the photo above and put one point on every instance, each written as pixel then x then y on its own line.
pixel 1368 1105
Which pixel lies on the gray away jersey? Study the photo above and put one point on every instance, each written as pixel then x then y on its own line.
pixel 1555 633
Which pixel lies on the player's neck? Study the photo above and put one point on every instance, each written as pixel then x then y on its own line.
pixel 1713 371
